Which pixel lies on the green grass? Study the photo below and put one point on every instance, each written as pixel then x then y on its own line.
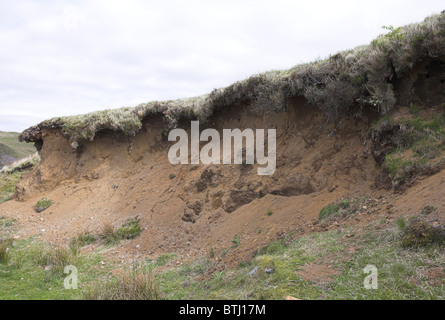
pixel 403 273
pixel 7 185
pixel 135 285
pixel 236 241
pixel 19 150
pixel 82 240
pixel 342 208
pixel 426 140
pixel 24 276
pixel 129 230
pixel 397 269
pixel 43 204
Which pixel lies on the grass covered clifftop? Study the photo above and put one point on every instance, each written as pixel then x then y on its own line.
pixel 364 76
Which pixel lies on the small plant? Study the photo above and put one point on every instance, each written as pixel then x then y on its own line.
pixel 414 109
pixel 236 241
pixel 401 223
pixel 269 213
pixel 130 229
pixel 4 250
pixel 212 253
pixel 427 210
pixel 328 211
pixel 394 33
pixel 172 176
pixel 81 241
pixel 109 234
pixel 164 259
pixel 43 204
pixel 275 247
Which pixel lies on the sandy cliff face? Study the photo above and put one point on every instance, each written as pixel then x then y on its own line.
pixel 193 209
pixel 116 177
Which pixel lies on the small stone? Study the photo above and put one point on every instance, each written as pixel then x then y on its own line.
pixel 291 298
pixel 268 270
pixel 253 271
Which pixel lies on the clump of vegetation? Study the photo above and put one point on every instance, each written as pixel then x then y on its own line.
pixel 328 211
pixel 55 258
pixel 172 176
pixel 4 250
pixel 7 227
pixel 427 210
pixel 10 175
pixel 164 259
pixel 418 233
pixel 129 230
pixel 109 234
pixel 236 241
pixel 334 85
pixel 43 204
pixel 419 143
pixel 269 213
pixel 136 285
pixel 344 207
pixel 82 240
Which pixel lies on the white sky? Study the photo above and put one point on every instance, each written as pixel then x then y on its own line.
pixel 61 58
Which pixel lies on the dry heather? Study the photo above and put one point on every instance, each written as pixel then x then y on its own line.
pixel 362 76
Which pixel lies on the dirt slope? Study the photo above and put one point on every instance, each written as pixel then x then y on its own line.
pixel 193 210
pixel 203 207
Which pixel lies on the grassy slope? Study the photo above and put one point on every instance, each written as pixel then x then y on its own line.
pixel 402 273
pixel 9 145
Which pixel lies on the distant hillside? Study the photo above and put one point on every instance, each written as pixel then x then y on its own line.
pixel 11 149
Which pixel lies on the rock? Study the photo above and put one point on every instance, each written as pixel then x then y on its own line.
pixel 253 271
pixel 48 268
pixel 269 270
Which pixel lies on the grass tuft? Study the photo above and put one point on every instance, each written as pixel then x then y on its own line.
pixel 137 285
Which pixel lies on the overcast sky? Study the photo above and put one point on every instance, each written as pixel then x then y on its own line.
pixel 61 58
